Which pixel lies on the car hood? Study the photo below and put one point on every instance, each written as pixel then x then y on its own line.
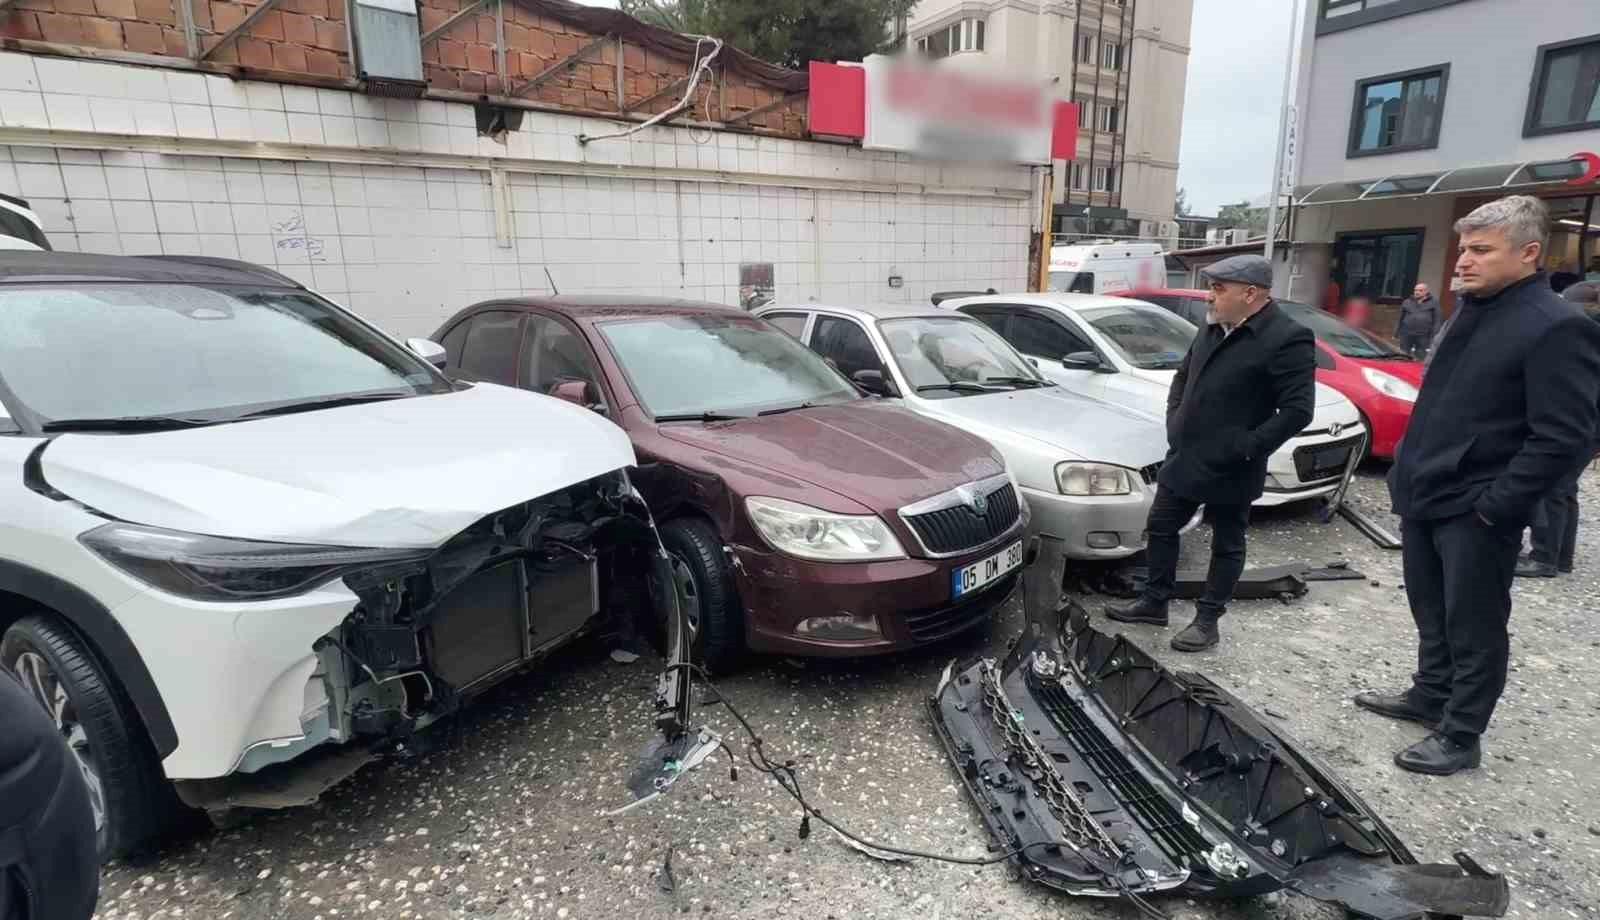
pixel 877 454
pixel 402 473
pixel 1409 371
pixel 1060 420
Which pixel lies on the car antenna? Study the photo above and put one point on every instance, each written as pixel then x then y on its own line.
pixel 552 280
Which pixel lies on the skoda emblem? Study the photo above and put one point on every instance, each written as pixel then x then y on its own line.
pixel 1334 429
pixel 975 501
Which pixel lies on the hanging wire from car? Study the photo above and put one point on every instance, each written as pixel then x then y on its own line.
pixel 786 775
pixel 698 68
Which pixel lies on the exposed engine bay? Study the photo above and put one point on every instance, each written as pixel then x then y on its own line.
pixel 430 633
pixel 1107 775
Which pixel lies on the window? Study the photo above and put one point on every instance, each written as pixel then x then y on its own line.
pixel 1566 88
pixel 966 35
pixel 1398 111
pixel 844 343
pixel 935 352
pixel 1110 117
pixel 1381 264
pixel 1111 56
pixel 556 355
pixel 993 317
pixel 1105 178
pixel 1043 337
pixel 1085 107
pixel 1080 173
pixel 792 323
pixel 740 365
pixel 490 350
pixel 453 342
pixel 92 350
pixel 1148 338
pixel 1086 49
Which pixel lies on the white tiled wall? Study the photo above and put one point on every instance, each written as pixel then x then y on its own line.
pixel 407 245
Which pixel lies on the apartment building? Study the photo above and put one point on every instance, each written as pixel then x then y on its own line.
pixel 1413 112
pixel 1125 63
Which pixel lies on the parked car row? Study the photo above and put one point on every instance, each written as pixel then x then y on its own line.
pixel 248 531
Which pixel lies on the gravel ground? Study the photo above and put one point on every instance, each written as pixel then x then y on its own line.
pixel 507 817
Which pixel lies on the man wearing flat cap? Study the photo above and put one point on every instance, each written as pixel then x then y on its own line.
pixel 1245 387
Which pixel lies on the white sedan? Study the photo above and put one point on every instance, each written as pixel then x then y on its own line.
pixel 1126 351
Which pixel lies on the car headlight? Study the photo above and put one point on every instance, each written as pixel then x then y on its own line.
pixel 1093 479
pixel 206 568
pixel 1389 384
pixel 811 533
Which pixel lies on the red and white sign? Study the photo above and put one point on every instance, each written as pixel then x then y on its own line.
pixel 912 106
pixel 1591 168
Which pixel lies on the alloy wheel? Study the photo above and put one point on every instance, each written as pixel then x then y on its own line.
pixel 42 683
pixel 688 595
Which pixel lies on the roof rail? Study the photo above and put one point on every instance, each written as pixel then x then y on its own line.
pixel 942 296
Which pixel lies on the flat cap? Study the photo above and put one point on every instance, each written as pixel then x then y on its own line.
pixel 1246 269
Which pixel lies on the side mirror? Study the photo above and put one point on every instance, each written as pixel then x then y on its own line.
pixel 871 381
pixel 579 393
pixel 1085 361
pixel 429 351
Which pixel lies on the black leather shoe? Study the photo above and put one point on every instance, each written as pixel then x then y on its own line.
pixel 1398 706
pixel 1198 635
pixel 1532 569
pixel 1438 755
pixel 1564 569
pixel 1153 613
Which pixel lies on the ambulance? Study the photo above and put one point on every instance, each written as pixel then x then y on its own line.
pixel 1107 267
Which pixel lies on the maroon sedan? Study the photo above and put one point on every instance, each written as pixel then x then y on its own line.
pixel 802 517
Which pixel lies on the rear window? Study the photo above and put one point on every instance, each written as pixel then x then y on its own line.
pixel 1072 282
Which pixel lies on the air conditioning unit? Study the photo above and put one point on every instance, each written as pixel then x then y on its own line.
pixel 389 48
pixel 1237 236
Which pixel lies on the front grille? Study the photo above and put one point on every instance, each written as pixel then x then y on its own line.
pixel 1305 460
pixel 927 625
pixel 1176 837
pixel 1149 473
pixel 959 528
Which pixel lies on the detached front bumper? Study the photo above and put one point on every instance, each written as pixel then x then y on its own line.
pixel 1110 776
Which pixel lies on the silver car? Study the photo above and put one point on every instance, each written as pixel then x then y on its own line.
pixel 1086 467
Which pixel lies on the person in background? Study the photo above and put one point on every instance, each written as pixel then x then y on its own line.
pixel 1358 311
pixel 1331 295
pixel 1508 407
pixel 1419 321
pixel 1246 385
pixel 1554 534
pixel 49 852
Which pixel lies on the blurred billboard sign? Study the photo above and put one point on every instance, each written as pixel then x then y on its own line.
pixel 909 105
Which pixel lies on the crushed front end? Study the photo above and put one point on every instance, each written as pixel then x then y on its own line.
pixel 1109 776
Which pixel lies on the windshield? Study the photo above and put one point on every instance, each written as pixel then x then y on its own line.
pixel 1072 282
pixel 935 353
pixel 724 365
pixel 1149 338
pixel 1343 338
pixel 210 354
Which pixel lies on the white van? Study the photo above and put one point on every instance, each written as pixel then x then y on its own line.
pixel 1106 267
pixel 20 227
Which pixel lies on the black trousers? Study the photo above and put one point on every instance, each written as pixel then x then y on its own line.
pixel 1168 514
pixel 1458 579
pixel 1415 345
pixel 1555 529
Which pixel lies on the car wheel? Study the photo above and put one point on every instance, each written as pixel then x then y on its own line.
pixel 133 803
pixel 706 592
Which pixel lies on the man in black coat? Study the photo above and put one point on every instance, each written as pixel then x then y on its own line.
pixel 1246 385
pixel 49 857
pixel 1419 321
pixel 1508 408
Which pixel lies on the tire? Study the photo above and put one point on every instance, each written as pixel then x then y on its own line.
pixel 134 804
pixel 706 589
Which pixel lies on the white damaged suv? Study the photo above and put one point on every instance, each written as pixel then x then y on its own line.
pixel 245 528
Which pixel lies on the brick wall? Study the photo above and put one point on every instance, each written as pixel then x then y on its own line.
pixel 308 37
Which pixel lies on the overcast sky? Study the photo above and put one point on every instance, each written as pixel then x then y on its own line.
pixel 1230 110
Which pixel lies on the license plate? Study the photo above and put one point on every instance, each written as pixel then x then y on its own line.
pixel 970 578
pixel 1330 460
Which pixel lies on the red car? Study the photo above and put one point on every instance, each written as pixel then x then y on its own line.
pixel 1371 372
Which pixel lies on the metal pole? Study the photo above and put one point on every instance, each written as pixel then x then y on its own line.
pixel 1283 129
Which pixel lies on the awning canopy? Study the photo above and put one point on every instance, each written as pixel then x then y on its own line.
pixel 1451 181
